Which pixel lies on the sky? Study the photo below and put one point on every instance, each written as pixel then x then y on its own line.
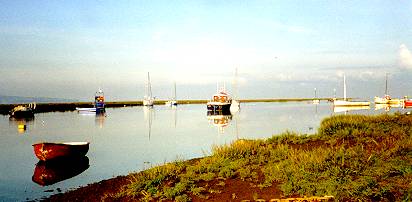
pixel 281 49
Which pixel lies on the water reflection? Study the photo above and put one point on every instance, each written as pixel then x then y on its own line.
pixel 337 109
pixel 51 172
pixel 21 123
pixel 99 121
pixel 219 119
pixel 148 113
pixel 387 107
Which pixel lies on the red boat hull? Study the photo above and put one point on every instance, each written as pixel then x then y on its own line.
pixel 47 151
pixel 407 103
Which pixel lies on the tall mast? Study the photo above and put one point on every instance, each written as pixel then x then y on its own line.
pixel 149 87
pixel 235 88
pixel 174 94
pixel 344 87
pixel 386 84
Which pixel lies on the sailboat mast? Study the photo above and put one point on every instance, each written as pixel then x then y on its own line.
pixel 174 93
pixel 149 87
pixel 235 88
pixel 344 87
pixel 386 84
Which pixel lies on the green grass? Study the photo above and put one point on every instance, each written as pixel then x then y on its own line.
pixel 353 157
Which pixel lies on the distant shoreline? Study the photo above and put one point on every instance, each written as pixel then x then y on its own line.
pixel 71 106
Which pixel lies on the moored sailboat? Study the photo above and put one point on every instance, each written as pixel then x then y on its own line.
pixel 386 99
pixel 148 100
pixel 173 101
pixel 346 102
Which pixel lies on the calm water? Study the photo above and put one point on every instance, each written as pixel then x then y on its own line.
pixel 134 138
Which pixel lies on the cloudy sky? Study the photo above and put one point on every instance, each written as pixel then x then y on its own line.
pixel 282 49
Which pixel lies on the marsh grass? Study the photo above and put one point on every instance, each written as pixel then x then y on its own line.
pixel 352 157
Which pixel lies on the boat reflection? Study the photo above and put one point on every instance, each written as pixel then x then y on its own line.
pixel 50 172
pixel 99 121
pixel 21 123
pixel 386 107
pixel 337 109
pixel 219 119
pixel 148 117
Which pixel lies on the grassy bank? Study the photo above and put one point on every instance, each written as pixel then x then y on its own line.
pixel 353 158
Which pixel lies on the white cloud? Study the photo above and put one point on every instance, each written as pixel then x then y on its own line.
pixel 405 57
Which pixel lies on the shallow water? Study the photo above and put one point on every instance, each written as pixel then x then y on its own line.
pixel 131 139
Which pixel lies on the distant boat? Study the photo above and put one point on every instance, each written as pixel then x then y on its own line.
pixel 407 102
pixel 99 102
pixel 22 111
pixel 315 99
pixel 345 102
pixel 221 101
pixel 386 99
pixel 148 99
pixel 99 105
pixel 50 172
pixel 46 151
pixel 173 101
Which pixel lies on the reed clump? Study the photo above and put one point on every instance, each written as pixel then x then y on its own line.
pixel 352 157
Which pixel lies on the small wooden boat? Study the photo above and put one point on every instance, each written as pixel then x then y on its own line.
pixel 47 151
pixel 50 172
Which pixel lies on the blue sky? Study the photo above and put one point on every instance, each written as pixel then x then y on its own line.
pixel 281 48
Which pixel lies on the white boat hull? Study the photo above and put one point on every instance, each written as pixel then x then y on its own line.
pixel 338 109
pixel 92 109
pixel 350 103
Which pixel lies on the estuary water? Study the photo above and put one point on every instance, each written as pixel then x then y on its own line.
pixel 131 139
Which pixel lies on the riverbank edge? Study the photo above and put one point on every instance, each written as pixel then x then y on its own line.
pixel 71 106
pixel 373 152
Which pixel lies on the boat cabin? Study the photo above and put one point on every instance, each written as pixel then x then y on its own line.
pixel 220 97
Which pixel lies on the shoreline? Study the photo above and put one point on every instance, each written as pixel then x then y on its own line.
pixel 350 158
pixel 71 106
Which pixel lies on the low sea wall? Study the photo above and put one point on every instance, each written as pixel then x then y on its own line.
pixel 71 106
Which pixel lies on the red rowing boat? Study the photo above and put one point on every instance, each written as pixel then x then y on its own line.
pixel 46 151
